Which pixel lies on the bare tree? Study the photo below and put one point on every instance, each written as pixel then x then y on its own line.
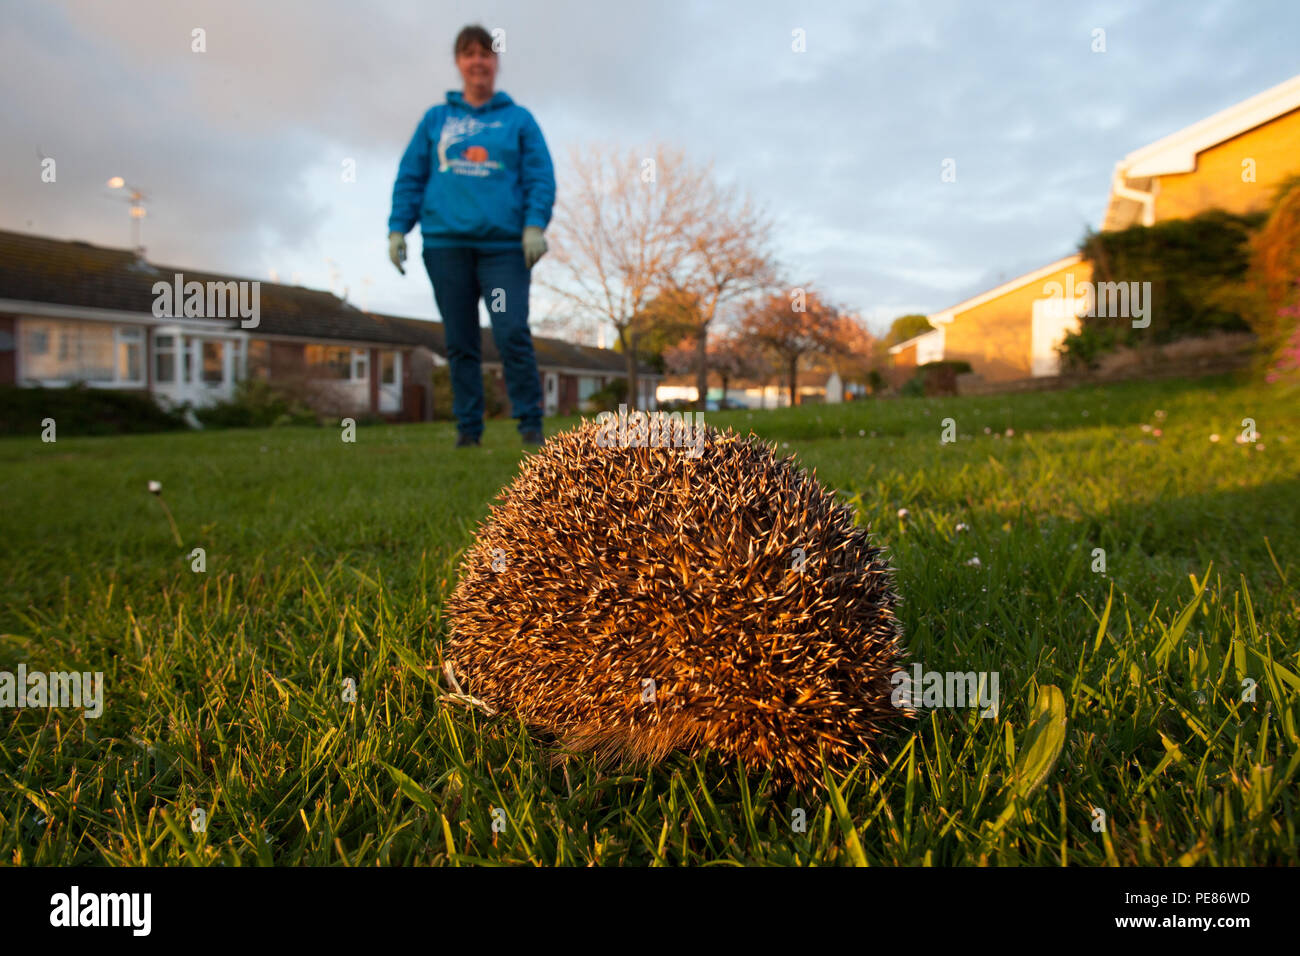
pixel 618 233
pixel 728 260
pixel 732 354
pixel 792 325
pixel 561 324
pixel 850 348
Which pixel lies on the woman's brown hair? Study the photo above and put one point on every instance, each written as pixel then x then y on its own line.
pixel 473 35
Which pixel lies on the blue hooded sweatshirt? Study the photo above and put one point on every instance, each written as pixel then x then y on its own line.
pixel 474 175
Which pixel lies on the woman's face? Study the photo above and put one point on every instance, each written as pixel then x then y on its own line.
pixel 478 67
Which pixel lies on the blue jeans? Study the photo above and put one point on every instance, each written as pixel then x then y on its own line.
pixel 460 277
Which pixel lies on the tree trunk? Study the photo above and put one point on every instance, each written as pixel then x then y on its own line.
pixel 629 351
pixel 794 377
pixel 723 404
pixel 702 369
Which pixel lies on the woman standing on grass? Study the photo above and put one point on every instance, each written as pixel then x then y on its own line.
pixel 478 178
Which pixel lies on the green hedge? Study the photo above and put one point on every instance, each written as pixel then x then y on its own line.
pixel 935 378
pixel 611 395
pixel 81 410
pixel 1197 269
pixel 257 404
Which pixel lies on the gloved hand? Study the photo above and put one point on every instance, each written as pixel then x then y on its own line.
pixel 534 245
pixel 397 250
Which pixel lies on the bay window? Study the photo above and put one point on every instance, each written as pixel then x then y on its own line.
pixel 58 351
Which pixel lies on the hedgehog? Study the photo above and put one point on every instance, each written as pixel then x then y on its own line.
pixel 635 598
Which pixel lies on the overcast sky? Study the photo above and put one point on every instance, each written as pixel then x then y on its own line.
pixel 240 148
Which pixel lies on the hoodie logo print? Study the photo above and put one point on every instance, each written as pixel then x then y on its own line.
pixel 474 161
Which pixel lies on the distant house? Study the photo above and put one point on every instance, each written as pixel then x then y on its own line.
pixel 1009 332
pixel 571 373
pixel 918 350
pixel 815 386
pixel 1233 160
pixel 74 312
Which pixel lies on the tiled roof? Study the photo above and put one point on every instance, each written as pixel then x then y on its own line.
pixel 551 353
pixel 74 273
pixel 808 378
pixel 56 272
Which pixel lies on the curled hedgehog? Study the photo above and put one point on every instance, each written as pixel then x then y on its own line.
pixel 637 598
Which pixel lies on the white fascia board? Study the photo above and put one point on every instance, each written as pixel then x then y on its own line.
pixel 895 349
pixel 1177 152
pixel 948 314
pixel 46 310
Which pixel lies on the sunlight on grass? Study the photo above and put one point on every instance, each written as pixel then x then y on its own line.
pixel 1136 592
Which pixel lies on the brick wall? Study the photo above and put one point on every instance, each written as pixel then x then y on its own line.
pixel 997 336
pixel 1217 183
pixel 9 359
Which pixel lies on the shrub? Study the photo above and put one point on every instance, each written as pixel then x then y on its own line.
pixel 1081 350
pixel 935 378
pixel 914 387
pixel 442 396
pixel 1284 361
pixel 610 396
pixel 1197 269
pixel 494 405
pixel 82 410
pixel 258 404
pixel 1274 286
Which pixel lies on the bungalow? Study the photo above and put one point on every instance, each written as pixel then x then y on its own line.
pixel 1233 160
pixel 571 373
pixel 74 312
pixel 918 350
pixel 990 330
pixel 815 386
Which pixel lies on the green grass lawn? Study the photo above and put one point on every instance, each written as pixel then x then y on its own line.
pixel 327 561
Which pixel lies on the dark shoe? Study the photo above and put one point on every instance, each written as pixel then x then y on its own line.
pixel 532 436
pixel 466 441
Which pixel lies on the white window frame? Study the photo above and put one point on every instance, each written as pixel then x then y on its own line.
pixel 129 335
pixel 122 335
pixel 360 360
pixel 174 350
pixel 397 367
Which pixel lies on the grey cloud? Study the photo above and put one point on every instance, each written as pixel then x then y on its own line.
pixel 239 147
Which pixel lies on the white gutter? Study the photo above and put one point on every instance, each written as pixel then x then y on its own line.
pixel 92 314
pixel 1118 187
